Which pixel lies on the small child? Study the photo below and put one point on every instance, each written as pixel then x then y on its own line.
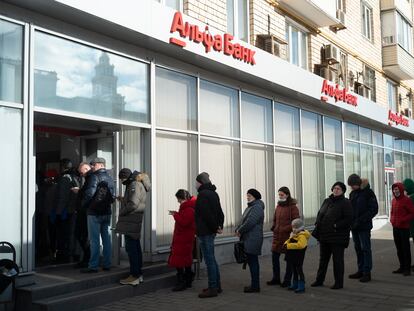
pixel 295 254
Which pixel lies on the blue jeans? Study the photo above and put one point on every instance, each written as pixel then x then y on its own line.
pixel 207 248
pixel 133 248
pixel 362 244
pixel 98 226
pixel 253 262
pixel 276 269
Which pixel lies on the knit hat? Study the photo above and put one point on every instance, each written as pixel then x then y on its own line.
pixel 340 184
pixel 203 178
pixel 298 224
pixel 124 173
pixel 354 180
pixel 256 194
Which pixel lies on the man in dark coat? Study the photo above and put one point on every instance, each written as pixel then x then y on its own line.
pixel 209 219
pixel 364 207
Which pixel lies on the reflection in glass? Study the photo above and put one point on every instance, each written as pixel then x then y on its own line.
pixel 365 135
pixel 73 77
pixel 389 158
pixel 388 141
pixel 377 138
pixel 11 64
pixel 287 125
pixel 351 131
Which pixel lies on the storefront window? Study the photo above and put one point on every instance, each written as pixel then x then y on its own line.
pixel 406 145
pixel 397 143
pixel 287 125
pixel 11 62
pixel 388 141
pixel 258 173
pixel 406 166
pixel 365 135
pixel 388 158
pixel 312 137
pixel 377 138
pixel 221 159
pixel 412 146
pixel 367 170
pixel 182 152
pixel 10 165
pixel 333 135
pixel 351 131
pixel 378 184
pixel 352 157
pixel 176 100
pixel 313 185
pixel 219 110
pixel 334 167
pixel 73 77
pixel 256 118
pixel 399 174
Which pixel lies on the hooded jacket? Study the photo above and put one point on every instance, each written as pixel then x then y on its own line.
pixel 409 188
pixel 364 207
pixel 132 208
pixel 209 216
pixel 285 212
pixel 402 210
pixel 296 247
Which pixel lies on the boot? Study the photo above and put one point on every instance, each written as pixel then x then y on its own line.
pixel 209 293
pixel 365 278
pixel 180 286
pixel 294 285
pixel 188 279
pixel 356 275
pixel 301 287
pixel 273 282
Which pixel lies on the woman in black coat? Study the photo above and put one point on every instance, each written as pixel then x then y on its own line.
pixel 332 228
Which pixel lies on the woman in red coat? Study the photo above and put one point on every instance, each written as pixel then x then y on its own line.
pixel 286 210
pixel 181 256
pixel 402 213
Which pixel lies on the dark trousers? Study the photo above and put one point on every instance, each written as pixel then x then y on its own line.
pixel 63 227
pixel 337 252
pixel 297 269
pixel 362 244
pixel 133 248
pixel 81 234
pixel 402 243
pixel 276 269
pixel 253 262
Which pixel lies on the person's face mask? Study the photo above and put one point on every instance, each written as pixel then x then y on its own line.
pixel 282 199
pixel 197 185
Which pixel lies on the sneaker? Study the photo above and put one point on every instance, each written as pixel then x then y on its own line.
pixel 209 293
pixel 365 278
pixel 249 289
pixel 273 282
pixel 356 275
pixel 131 280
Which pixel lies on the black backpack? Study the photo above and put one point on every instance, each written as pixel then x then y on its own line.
pixel 102 199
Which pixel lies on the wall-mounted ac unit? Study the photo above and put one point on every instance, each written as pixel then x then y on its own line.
pixel 331 54
pixel 270 44
pixel 328 74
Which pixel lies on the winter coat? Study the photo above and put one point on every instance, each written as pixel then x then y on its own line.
pixel 184 234
pixel 251 227
pixel 409 188
pixel 285 212
pixel 131 213
pixel 334 220
pixel 402 210
pixel 66 199
pixel 364 207
pixel 91 186
pixel 209 216
pixel 296 247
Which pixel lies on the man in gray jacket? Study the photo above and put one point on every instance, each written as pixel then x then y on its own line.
pixel 130 220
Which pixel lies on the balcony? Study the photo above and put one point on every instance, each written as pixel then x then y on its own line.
pixel 403 6
pixel 397 62
pixel 318 13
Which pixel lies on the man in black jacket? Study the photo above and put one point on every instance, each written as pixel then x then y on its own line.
pixel 209 219
pixel 365 207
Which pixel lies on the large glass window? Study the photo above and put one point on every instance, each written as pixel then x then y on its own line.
pixel 351 131
pixel 389 158
pixel 388 141
pixel 333 135
pixel 352 156
pixel 297 45
pixel 312 130
pixel 404 33
pixel 287 126
pixel 334 168
pixel 238 19
pixel 176 100
pixel 219 109
pixel 313 185
pixel 367 170
pixel 10 165
pixel 378 184
pixel 256 118
pixel 221 159
pixel 11 63
pixel 73 77
pixel 258 173
pixel 377 138
pixel 365 135
pixel 406 166
pixel 398 166
pixel 182 152
pixel 366 18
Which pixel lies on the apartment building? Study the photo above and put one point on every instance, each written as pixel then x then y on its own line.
pixel 259 93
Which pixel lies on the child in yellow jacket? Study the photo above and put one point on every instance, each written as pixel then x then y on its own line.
pixel 295 254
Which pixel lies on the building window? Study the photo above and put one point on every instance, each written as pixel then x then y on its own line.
pixel 366 18
pixel 174 4
pixel 368 87
pixel 392 96
pixel 312 134
pixel 297 45
pixel 340 5
pixel 404 33
pixel 287 125
pixel 238 19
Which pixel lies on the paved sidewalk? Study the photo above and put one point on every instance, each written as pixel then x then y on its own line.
pixel 386 291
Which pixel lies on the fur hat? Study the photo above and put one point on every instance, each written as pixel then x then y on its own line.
pixel 256 194
pixel 203 178
pixel 354 180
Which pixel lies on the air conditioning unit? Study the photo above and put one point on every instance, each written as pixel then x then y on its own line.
pixel 340 15
pixel 387 40
pixel 328 74
pixel 331 54
pixel 270 44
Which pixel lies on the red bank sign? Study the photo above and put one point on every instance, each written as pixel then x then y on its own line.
pixel 394 118
pixel 217 43
pixel 339 94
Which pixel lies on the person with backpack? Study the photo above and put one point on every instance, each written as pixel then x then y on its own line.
pixel 98 197
pixel 131 216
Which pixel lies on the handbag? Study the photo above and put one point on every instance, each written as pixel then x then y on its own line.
pixel 240 254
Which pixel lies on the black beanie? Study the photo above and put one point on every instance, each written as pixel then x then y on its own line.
pixel 124 173
pixel 340 184
pixel 254 193
pixel 203 178
pixel 354 180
